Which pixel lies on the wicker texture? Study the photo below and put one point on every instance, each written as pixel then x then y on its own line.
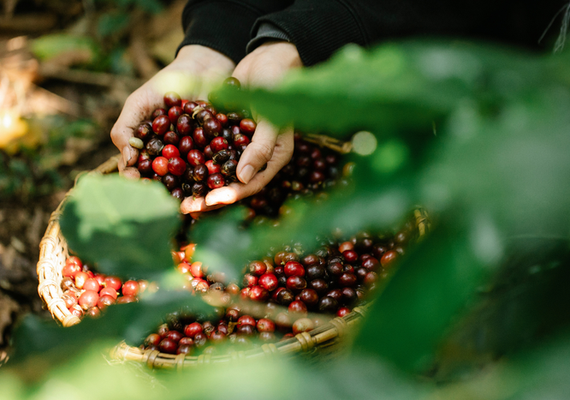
pixel 54 252
pixel 320 340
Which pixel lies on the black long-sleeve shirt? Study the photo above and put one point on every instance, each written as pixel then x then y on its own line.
pixel 320 27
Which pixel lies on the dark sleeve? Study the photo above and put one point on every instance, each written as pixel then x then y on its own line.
pixel 319 28
pixel 224 25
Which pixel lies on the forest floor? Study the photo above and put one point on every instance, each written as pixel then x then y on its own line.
pixel 66 100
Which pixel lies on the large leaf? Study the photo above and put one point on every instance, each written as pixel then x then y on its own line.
pixel 37 338
pixel 123 226
pixel 393 87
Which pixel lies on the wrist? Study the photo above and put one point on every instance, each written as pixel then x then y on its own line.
pixel 285 52
pixel 204 57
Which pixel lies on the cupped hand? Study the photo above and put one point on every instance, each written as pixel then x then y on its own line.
pixel 270 147
pixel 188 75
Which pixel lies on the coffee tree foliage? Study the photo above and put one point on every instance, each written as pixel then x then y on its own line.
pixel 476 134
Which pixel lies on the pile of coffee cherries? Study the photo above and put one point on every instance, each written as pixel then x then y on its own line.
pixel 280 295
pixel 310 172
pixel 88 293
pixel 191 147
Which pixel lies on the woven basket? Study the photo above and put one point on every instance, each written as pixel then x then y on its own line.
pixel 54 252
pixel 322 340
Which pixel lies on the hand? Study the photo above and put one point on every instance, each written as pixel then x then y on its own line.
pixel 187 75
pixel 264 67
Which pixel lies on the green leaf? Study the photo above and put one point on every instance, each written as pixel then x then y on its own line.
pixel 123 226
pixel 395 87
pixel 131 322
pixel 432 284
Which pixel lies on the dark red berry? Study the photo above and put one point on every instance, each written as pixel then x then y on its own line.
pixel 143 131
pixel 218 144
pixel 268 281
pixel 130 288
pixel 297 307
pixel 176 166
pixel 388 258
pixel 174 113
pixel 258 293
pixel 189 107
pixel 160 124
pixel 350 256
pixel 200 138
pixel 192 329
pixel 184 125
pixel 186 144
pixel 158 112
pixel 216 181
pixel 347 279
pixel 229 168
pixel 327 305
pixel 296 283
pixel 167 345
pixel 285 297
pixel 171 137
pixel 247 126
pixel 212 167
pixel 309 297
pixel 212 127
pixel 294 268
pixel 172 99
pixel 196 157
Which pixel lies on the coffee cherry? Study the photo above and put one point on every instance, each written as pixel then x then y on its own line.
pixel 185 349
pixel 88 299
pixel 199 189
pixel 216 181
pixel 247 126
pixel 212 127
pixel 229 168
pixel 296 283
pixel 219 143
pixel 319 285
pixel 160 165
pixel 388 258
pixel 303 325
pixel 172 99
pixel 327 305
pixel 233 82
pixel 113 282
pixel 192 329
pixel 80 279
pixel 170 151
pixel 257 268
pixel 143 131
pixel 347 279
pixel 297 307
pixel 186 144
pixel 175 112
pixel 285 297
pixel 176 166
pixel 184 125
pixel 268 281
pixel 160 124
pixel 246 320
pixel 154 146
pixel 249 280
pixel 196 157
pixel 309 297
pixel 343 311
pixel 170 181
pixel 167 345
pixel 294 268
pixel 189 107
pixel 130 288
pixel 212 168
pixel 105 300
pixel 200 138
pixel 258 293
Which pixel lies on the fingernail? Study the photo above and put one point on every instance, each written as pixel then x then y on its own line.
pixel 220 196
pixel 127 155
pixel 247 173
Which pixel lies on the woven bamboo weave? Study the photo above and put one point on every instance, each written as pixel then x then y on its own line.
pixel 54 252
